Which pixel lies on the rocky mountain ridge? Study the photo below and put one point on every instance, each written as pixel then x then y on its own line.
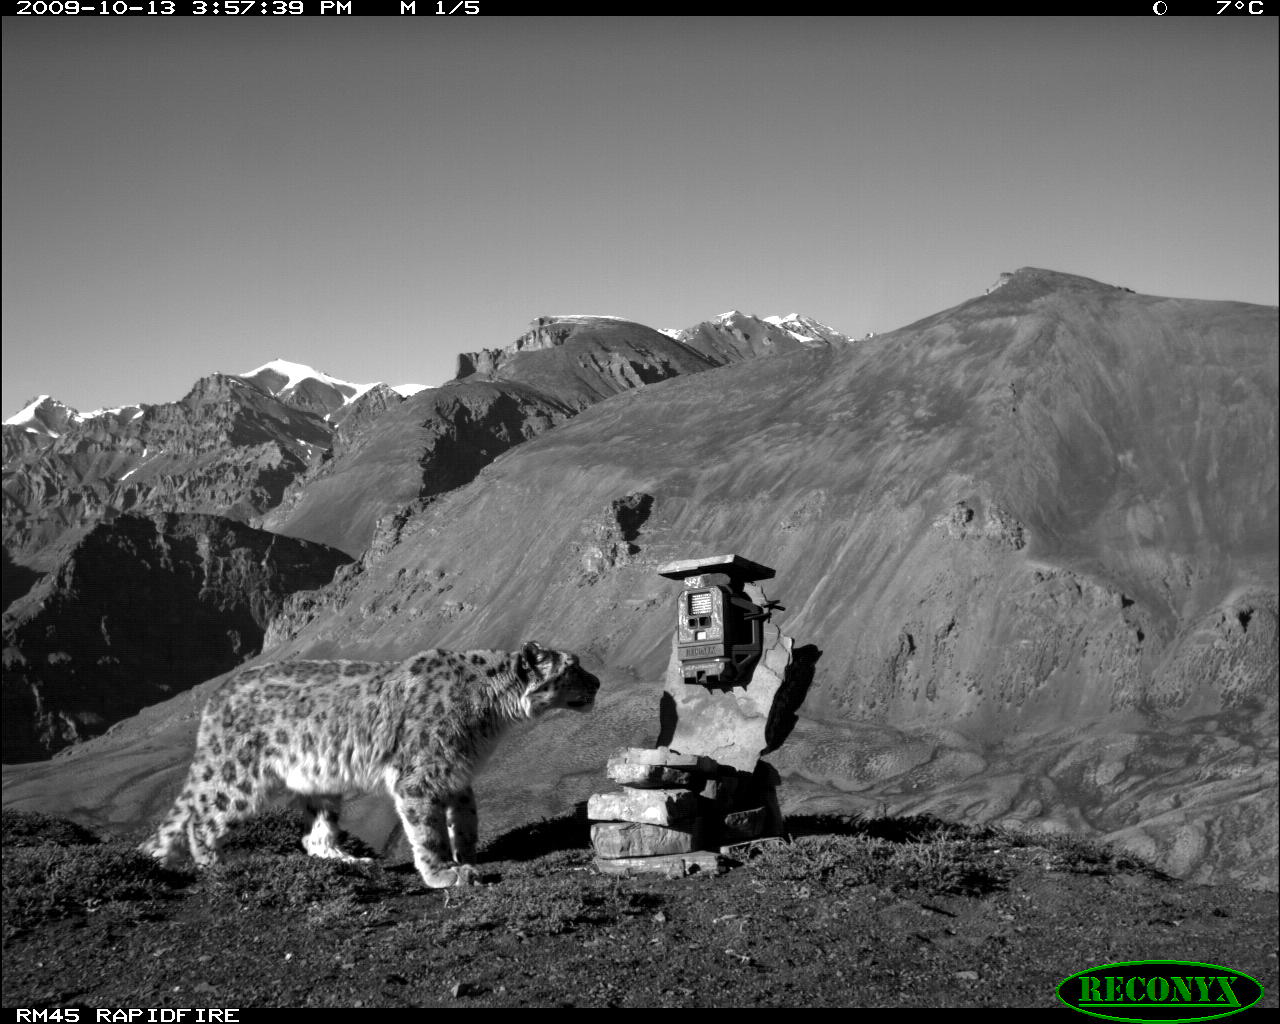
pixel 734 336
pixel 311 390
pixel 225 448
pixel 46 416
pixel 249 446
pixel 295 384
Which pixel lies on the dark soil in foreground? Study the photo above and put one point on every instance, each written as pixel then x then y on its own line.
pixel 852 913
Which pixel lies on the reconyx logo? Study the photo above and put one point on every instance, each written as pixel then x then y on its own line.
pixel 1163 990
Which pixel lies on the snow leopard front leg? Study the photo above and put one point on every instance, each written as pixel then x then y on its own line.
pixel 423 810
pixel 460 814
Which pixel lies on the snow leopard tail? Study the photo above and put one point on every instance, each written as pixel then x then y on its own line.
pixel 180 831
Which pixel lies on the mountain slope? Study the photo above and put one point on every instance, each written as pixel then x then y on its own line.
pixel 440 438
pixel 1030 543
pixel 434 441
pixel 1049 512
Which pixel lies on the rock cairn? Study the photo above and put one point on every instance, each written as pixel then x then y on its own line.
pixel 677 814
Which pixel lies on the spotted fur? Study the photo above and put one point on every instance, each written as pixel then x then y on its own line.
pixel 328 729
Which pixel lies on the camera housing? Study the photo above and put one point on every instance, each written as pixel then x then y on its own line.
pixel 719 637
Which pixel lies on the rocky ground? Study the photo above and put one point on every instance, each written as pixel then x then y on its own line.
pixel 884 912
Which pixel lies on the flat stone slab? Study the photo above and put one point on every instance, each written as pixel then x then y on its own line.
pixel 613 839
pixel 665 756
pixel 734 565
pixel 654 776
pixel 676 865
pixel 751 848
pixel 674 808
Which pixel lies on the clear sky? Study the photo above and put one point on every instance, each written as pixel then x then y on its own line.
pixel 373 195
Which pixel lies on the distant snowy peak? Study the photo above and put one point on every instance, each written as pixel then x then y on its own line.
pixel 295 384
pixel 313 390
pixel 281 375
pixel 804 329
pixel 45 416
pixel 807 329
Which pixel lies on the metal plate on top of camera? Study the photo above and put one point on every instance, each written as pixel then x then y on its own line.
pixel 739 569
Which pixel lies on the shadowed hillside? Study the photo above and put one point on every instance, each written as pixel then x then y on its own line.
pixel 139 609
pixel 434 441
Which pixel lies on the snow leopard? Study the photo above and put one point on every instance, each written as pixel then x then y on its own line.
pixel 324 730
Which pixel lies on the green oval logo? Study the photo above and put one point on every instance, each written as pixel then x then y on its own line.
pixel 1164 990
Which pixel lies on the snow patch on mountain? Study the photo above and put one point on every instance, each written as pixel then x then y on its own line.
pixel 125 412
pixel 296 374
pixel 806 329
pixel 44 415
pixel 26 417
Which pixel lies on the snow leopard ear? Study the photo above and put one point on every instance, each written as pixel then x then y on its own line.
pixel 532 653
